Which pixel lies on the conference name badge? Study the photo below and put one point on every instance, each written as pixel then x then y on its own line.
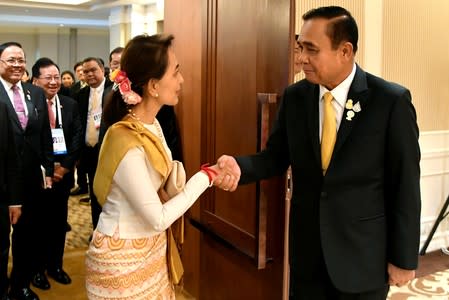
pixel 352 109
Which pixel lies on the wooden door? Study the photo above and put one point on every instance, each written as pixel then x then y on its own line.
pixel 235 58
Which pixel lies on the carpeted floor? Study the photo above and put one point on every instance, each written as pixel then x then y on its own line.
pixel 432 281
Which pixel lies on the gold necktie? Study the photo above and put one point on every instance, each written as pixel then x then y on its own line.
pixel 92 135
pixel 329 134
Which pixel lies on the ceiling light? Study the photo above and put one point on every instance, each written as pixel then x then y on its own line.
pixel 68 2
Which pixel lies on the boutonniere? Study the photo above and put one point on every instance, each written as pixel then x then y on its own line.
pixel 28 95
pixel 352 109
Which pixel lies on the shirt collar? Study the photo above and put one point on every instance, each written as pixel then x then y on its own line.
pixel 8 85
pixel 340 92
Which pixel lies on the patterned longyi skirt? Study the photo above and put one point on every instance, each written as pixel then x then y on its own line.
pixel 128 269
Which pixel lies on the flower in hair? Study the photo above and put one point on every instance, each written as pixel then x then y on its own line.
pixel 123 84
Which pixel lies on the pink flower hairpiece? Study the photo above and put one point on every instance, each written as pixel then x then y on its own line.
pixel 123 84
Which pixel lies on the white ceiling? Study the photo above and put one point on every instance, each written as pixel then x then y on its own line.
pixel 90 14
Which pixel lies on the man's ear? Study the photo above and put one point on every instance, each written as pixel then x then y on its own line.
pixel 347 50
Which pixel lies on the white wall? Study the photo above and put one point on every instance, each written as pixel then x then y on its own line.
pixel 434 186
pixel 54 42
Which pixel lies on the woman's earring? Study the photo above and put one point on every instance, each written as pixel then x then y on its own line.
pixel 156 95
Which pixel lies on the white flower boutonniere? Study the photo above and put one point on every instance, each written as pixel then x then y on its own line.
pixel 28 96
pixel 352 109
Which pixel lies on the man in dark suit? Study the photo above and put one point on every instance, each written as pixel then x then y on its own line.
pixel 10 194
pixel 66 131
pixel 355 209
pixel 91 102
pixel 29 120
pixel 81 179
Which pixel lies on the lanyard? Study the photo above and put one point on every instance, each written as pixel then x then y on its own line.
pixel 58 111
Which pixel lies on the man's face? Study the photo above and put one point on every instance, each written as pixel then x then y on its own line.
pixel 320 63
pixel 49 80
pixel 115 61
pixel 79 73
pixel 12 64
pixel 296 60
pixel 93 73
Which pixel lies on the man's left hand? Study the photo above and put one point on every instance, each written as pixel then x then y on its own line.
pixel 398 276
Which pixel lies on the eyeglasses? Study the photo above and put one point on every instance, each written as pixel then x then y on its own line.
pixel 12 61
pixel 50 78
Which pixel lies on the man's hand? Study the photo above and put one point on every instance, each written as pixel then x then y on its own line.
pixel 59 173
pixel 230 173
pixel 14 214
pixel 48 182
pixel 398 276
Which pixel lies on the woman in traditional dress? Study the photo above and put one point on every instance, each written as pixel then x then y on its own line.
pixel 132 254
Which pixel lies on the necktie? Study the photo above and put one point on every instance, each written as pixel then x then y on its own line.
pixel 92 136
pixel 18 106
pixel 51 114
pixel 329 134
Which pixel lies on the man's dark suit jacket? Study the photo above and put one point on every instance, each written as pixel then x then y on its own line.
pixel 365 211
pixel 54 208
pixel 11 187
pixel 34 143
pixel 71 124
pixel 74 89
pixel 10 175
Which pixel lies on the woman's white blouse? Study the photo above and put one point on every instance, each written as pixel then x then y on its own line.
pixel 133 207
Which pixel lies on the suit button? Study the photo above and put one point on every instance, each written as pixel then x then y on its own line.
pixel 323 194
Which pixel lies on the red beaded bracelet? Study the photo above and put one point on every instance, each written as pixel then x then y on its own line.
pixel 209 171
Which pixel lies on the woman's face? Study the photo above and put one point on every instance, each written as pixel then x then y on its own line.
pixel 67 80
pixel 169 86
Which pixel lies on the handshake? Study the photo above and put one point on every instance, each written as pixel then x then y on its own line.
pixel 225 173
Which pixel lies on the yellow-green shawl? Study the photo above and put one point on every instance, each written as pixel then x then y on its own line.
pixel 119 139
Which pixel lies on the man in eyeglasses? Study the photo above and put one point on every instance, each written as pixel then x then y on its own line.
pixel 66 132
pixel 28 113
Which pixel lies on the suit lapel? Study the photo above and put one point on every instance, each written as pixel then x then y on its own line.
pixel 11 111
pixel 313 120
pixel 32 112
pixel 358 93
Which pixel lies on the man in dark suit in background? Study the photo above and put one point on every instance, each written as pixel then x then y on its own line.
pixel 66 131
pixel 81 83
pixel 29 120
pixel 114 58
pixel 10 193
pixel 355 209
pixel 90 101
pixel 81 178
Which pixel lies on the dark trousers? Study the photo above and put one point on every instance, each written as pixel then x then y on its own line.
pixel 81 177
pixel 26 237
pixel 321 288
pixel 54 211
pixel 89 160
pixel 4 248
